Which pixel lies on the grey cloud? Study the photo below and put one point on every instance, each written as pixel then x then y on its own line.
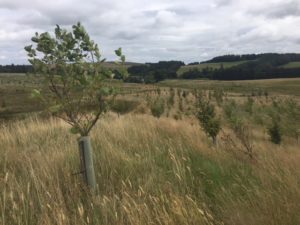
pixel 244 31
pixel 126 35
pixel 190 30
pixel 34 17
pixel 182 10
pixel 150 13
pixel 221 3
pixel 297 41
pixel 279 10
pixel 292 9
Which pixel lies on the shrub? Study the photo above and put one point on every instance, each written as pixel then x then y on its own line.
pixel 171 99
pixel 158 107
pixel 207 118
pixel 230 109
pixel 122 106
pixel 218 95
pixel 158 91
pixel 274 132
pixel 249 105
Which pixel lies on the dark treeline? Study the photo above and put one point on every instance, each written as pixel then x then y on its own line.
pixel 15 68
pixel 279 58
pixel 232 58
pixel 194 63
pixel 154 72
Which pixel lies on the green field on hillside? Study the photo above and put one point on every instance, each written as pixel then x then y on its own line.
pixel 291 65
pixel 202 66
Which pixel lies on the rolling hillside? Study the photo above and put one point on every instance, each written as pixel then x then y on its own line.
pixel 209 66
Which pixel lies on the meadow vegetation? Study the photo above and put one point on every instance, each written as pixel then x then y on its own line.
pixel 149 171
pixel 154 161
pixel 288 87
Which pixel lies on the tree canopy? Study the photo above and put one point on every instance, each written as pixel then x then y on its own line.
pixel 70 64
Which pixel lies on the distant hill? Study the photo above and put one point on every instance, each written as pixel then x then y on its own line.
pixel 226 67
pixel 208 66
pixel 285 57
pixel 242 67
pixel 111 64
pixel 233 58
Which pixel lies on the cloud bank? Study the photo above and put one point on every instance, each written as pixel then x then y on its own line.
pixel 149 31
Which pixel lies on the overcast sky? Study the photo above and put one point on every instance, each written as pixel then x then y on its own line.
pixel 153 30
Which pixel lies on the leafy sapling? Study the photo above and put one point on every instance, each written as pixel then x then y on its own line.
pixel 75 87
pixel 157 107
pixel 274 132
pixel 208 120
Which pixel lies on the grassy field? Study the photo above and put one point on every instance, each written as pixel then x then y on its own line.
pixel 15 94
pixel 291 65
pixel 273 86
pixel 149 171
pixel 15 98
pixel 202 66
pixel 154 162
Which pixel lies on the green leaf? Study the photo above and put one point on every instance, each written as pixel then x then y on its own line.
pixel 123 58
pixel 35 39
pixel 36 93
pixel 74 130
pixel 105 90
pixel 55 108
pixel 119 52
pixel 28 48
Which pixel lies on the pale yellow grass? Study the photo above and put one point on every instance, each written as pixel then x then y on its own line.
pixel 149 171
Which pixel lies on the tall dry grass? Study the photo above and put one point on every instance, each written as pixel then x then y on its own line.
pixel 149 171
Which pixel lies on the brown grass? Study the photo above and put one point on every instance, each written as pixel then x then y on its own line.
pixel 149 171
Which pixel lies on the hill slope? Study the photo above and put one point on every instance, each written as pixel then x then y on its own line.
pixel 208 66
pixel 261 66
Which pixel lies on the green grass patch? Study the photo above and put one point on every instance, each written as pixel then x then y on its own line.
pixel 209 66
pixel 291 65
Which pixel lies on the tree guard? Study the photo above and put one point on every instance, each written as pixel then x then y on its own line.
pixel 86 161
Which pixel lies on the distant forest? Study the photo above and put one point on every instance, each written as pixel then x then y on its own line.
pixel 15 68
pixel 252 66
pixel 154 72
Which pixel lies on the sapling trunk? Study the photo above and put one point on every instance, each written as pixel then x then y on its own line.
pixel 214 139
pixel 86 161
